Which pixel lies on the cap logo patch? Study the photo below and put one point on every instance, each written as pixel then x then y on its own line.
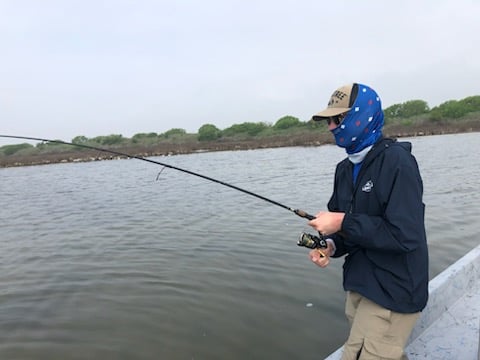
pixel 337 96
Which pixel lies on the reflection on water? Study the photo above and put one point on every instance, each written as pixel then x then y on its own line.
pixel 101 260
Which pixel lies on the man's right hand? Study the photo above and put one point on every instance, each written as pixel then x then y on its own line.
pixel 321 257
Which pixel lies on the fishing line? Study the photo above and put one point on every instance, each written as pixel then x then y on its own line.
pixel 298 212
pixel 158 176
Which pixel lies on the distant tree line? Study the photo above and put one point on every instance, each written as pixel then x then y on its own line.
pixel 449 110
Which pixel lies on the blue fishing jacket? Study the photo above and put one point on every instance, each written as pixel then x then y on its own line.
pixel 383 231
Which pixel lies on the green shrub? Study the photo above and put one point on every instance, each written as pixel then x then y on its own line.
pixel 451 109
pixel 80 139
pixel 406 110
pixel 247 128
pixel 175 132
pixel 208 132
pixel 287 122
pixel 109 139
pixel 471 103
pixel 12 149
pixel 144 137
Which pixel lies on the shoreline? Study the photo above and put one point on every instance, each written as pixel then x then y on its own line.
pixel 178 148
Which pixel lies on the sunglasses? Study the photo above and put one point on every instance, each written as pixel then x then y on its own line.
pixel 336 119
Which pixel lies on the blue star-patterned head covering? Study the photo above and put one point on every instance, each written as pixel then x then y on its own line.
pixel 363 123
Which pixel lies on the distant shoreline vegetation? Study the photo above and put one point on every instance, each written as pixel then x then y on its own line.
pixel 411 118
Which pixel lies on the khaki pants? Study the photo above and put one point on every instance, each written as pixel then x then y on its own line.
pixel 376 333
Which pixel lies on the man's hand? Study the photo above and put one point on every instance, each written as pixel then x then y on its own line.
pixel 321 257
pixel 327 222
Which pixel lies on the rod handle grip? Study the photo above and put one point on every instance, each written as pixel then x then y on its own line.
pixel 303 214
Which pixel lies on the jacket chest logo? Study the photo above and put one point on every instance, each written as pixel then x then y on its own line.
pixel 368 186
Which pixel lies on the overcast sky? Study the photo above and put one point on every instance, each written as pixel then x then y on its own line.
pixel 101 67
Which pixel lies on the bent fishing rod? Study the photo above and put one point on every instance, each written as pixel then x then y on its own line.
pixel 306 240
pixel 298 212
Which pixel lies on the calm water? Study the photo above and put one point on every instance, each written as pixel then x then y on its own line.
pixel 102 261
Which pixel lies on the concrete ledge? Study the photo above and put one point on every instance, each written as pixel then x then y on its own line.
pixel 449 326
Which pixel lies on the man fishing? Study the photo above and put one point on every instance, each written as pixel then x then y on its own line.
pixel 375 219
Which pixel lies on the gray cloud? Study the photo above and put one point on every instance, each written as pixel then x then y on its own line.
pixel 122 67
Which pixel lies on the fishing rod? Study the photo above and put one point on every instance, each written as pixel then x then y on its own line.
pixel 298 212
pixel 306 240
